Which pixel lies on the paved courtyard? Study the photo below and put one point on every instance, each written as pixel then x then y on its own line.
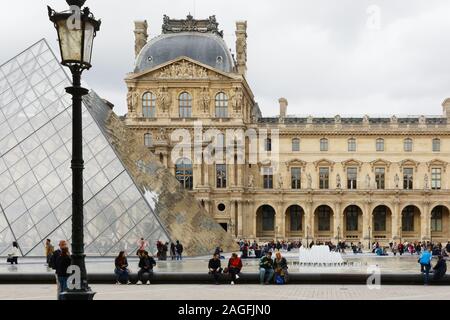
pixel 237 292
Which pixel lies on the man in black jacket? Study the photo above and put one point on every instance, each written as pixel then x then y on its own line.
pixel 214 267
pixel 439 269
pixel 52 264
pixel 146 264
pixel 179 250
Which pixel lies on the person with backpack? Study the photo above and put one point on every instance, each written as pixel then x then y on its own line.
pixel 146 263
pixel 179 250
pixel 425 264
pixel 121 269
pixel 281 269
pixel 234 267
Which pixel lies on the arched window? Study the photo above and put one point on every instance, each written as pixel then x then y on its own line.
pixel 148 140
pixel 323 144
pixel 183 173
pixel 380 144
pixel 379 219
pixel 351 217
pixel 185 105
pixel 352 145
pixel 268 218
pixel 149 105
pixel 324 218
pixel 408 145
pixel 436 145
pixel 295 144
pixel 221 105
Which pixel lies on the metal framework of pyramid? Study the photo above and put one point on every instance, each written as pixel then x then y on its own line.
pixel 35 174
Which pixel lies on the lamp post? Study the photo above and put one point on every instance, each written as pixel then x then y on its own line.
pixel 369 239
pixel 338 239
pixel 76 30
pixel 307 237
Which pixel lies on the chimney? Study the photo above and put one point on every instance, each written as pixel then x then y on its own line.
pixel 241 47
pixel 446 109
pixel 141 35
pixel 283 107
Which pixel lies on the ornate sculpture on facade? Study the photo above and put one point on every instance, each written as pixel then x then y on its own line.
pixel 250 181
pixel 425 182
pixel 338 181
pixel 236 99
pixel 368 185
pixel 130 100
pixel 205 100
pixel 183 70
pixel 366 119
pixel 280 181
pixel 164 99
pixel 422 120
pixel 396 180
pixel 337 119
pixel 309 179
pixel 190 24
pixel 394 120
pixel 161 135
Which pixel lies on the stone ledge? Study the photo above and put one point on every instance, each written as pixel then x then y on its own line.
pixel 246 278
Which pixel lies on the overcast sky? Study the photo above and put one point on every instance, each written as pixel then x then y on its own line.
pixel 326 57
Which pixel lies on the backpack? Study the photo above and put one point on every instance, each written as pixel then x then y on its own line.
pixel 279 279
pixel 52 261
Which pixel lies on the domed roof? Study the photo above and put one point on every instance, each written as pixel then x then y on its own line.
pixel 207 48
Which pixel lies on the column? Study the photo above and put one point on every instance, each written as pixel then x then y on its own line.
pixel 366 234
pixel 230 175
pixel 240 176
pixel 252 210
pixel 205 174
pixel 233 226
pixel 280 221
pixel 240 219
pixel 337 222
pixel 309 222
pixel 425 222
pixel 197 175
pixel 396 221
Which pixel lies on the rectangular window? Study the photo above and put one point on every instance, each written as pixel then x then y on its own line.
pixel 324 177
pixel 323 144
pixel 352 174
pixel 436 178
pixel 268 145
pixel 380 145
pixel 352 145
pixel 221 175
pixel 268 178
pixel 324 219
pixel 379 178
pixel 379 219
pixel 408 178
pixel 436 219
pixel 436 145
pixel 351 218
pixel 296 178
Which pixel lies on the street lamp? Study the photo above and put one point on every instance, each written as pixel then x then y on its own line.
pixel 369 239
pixel 338 239
pixel 76 32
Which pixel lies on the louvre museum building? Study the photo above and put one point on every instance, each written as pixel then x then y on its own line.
pixel 355 179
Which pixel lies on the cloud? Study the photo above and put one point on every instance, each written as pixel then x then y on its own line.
pixel 319 55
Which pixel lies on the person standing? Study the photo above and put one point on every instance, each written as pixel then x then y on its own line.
pixel 142 245
pixel 62 263
pixel 281 267
pixel 234 267
pixel 62 244
pixel 394 248
pixel 172 251
pixel 121 268
pixel 146 263
pixel 425 264
pixel 49 249
pixel 179 250
pixel 266 268
pixel 165 248
pixel 214 266
pixel 14 254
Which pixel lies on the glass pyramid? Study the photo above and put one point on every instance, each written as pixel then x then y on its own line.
pixel 35 174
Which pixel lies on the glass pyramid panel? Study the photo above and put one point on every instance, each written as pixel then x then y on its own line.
pixel 35 174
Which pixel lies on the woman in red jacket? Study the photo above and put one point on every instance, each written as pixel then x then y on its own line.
pixel 234 267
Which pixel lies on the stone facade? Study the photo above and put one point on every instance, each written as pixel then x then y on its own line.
pixel 383 178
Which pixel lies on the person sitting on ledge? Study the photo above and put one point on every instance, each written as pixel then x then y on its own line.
pixel 234 267
pixel 215 268
pixel 146 263
pixel 381 251
pixel 121 269
pixel 281 269
pixel 439 269
pixel 266 268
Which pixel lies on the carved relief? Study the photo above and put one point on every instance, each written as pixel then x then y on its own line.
pixel 183 70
